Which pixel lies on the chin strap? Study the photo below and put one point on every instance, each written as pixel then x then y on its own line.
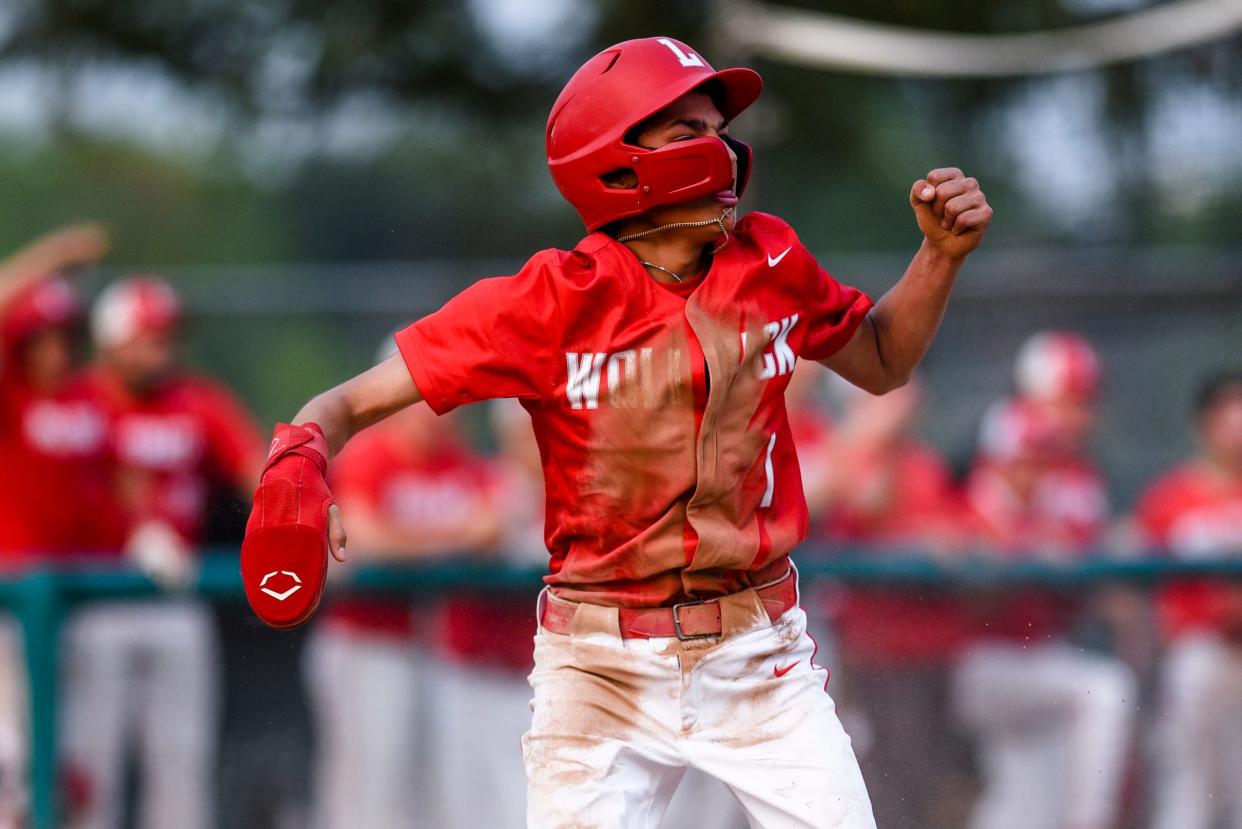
pixel 720 221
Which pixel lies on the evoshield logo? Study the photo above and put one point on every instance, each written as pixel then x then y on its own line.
pixel 280 597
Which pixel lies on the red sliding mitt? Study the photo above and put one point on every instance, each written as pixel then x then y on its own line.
pixel 284 558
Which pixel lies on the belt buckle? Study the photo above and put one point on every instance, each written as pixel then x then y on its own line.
pixel 677 631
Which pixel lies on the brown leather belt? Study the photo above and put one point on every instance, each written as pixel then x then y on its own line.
pixel 684 620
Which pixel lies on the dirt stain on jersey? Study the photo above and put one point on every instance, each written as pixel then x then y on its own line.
pixel 731 444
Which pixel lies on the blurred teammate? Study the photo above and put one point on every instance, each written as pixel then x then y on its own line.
pixel 143 676
pixel 482 645
pixel 1195 512
pixel 54 473
pixel 1052 720
pixel 412 489
pixel 652 359
pixel 890 492
pixel 52 437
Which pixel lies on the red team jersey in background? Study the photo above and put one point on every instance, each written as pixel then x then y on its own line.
pixel 1064 519
pixel 495 630
pixel 171 446
pixel 1194 514
pixel 892 626
pixel 439 489
pixel 660 414
pixel 55 473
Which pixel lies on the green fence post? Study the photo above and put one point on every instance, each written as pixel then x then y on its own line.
pixel 40 614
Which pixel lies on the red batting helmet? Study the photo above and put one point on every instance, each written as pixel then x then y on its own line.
pixel 616 91
pixel 48 303
pixel 134 306
pixel 1055 364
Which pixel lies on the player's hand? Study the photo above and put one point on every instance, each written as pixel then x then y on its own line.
pixel 336 533
pixel 160 552
pixel 951 210
pixel 292 529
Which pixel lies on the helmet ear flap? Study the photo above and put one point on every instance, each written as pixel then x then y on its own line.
pixel 743 152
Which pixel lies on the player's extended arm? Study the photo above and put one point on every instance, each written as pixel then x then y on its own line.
pixel 295 524
pixel 59 250
pixel 953 214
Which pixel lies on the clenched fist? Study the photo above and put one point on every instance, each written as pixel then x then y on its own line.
pixel 951 210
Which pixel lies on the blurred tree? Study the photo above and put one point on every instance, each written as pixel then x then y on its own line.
pixel 300 129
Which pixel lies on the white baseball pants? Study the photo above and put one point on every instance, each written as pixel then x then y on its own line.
pixel 144 676
pixel 1198 739
pixel 365 692
pixel 14 726
pixel 475 744
pixel 1053 725
pixel 701 802
pixel 617 721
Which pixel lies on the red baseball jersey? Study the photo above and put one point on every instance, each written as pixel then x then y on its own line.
pixel 1063 516
pixel 56 474
pixel 431 493
pixel 1194 514
pixel 659 409
pixel 495 630
pixel 922 510
pixel 172 445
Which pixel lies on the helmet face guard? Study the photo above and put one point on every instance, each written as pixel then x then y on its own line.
pixel 679 172
pixel 616 91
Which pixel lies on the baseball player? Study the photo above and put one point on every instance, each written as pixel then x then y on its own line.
pixel 135 668
pixel 53 456
pixel 652 359
pixel 412 489
pixel 481 647
pixel 895 493
pixel 1195 512
pixel 1052 721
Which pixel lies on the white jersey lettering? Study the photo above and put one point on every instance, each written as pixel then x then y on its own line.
pixel 584 375
pixel 623 379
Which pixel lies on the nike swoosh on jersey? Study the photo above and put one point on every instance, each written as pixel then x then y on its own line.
pixel 779 672
pixel 773 261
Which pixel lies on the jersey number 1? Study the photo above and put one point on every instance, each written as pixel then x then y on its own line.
pixel 769 476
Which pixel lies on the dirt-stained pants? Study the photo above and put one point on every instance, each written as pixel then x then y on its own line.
pixel 617 721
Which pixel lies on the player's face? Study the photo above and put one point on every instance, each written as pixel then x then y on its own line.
pixel 1071 419
pixel 1221 428
pixel 146 360
pixel 47 358
pixel 693 115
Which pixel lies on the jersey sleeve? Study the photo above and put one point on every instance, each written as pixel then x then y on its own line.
pixel 234 445
pixel 830 312
pixel 1154 512
pixel 492 340
pixel 833 311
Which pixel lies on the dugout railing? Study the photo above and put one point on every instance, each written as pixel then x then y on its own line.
pixel 40 598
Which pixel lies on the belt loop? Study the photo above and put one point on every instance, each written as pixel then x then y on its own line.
pixel 541 604
pixel 594 618
pixel 742 611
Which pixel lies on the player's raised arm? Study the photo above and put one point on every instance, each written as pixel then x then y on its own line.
pixel 295 524
pixel 953 214
pixel 59 250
